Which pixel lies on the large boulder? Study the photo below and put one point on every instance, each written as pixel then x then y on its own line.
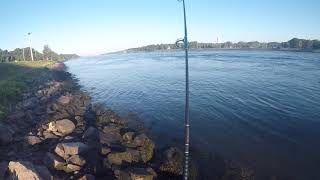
pixel 111 128
pixel 173 161
pixel 66 150
pixel 6 135
pixel 61 127
pixel 118 158
pixel 106 116
pixel 23 170
pixel 141 140
pixel 136 154
pixel 32 140
pixel 145 146
pixel 109 139
pixel 74 163
pixel 55 162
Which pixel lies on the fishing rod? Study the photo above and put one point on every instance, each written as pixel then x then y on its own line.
pixel 186 116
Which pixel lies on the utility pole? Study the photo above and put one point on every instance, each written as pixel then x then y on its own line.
pixel 29 33
pixel 186 116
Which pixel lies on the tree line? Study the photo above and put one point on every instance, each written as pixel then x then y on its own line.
pixel 24 54
pixel 293 44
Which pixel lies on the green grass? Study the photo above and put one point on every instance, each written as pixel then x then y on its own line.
pixel 35 64
pixel 10 91
pixel 12 80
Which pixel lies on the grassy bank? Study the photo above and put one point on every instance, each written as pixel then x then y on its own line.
pixel 14 80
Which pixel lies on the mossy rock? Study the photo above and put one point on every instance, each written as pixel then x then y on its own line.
pixel 147 150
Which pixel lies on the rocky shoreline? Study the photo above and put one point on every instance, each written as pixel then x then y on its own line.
pixel 55 132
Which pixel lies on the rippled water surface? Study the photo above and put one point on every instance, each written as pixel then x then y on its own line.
pixel 261 108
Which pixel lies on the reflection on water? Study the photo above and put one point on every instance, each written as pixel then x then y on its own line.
pixel 260 108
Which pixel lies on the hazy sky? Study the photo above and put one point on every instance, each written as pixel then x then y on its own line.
pixel 89 27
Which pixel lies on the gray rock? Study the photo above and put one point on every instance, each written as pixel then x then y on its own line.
pixel 76 160
pixel 61 127
pixel 118 158
pixel 23 170
pixel 55 107
pixel 66 150
pixel 146 147
pixel 136 155
pixel 105 116
pixel 109 139
pixel 140 140
pixel 65 126
pixel 173 161
pixel 78 118
pixel 72 168
pixel 112 128
pixel 60 151
pixel 49 135
pixel 105 150
pixel 128 136
pixel 54 162
pixel 33 140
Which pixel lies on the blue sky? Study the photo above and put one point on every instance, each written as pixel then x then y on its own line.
pixel 90 27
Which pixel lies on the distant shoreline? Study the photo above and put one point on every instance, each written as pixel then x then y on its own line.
pixel 294 45
pixel 215 49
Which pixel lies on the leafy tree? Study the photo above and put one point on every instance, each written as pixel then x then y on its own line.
pixel 295 43
pixel 316 44
pixel 46 52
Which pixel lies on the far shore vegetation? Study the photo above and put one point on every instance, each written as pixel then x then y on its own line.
pixel 294 44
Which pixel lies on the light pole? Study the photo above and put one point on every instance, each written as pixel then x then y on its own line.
pixel 24 58
pixel 186 115
pixel 29 33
